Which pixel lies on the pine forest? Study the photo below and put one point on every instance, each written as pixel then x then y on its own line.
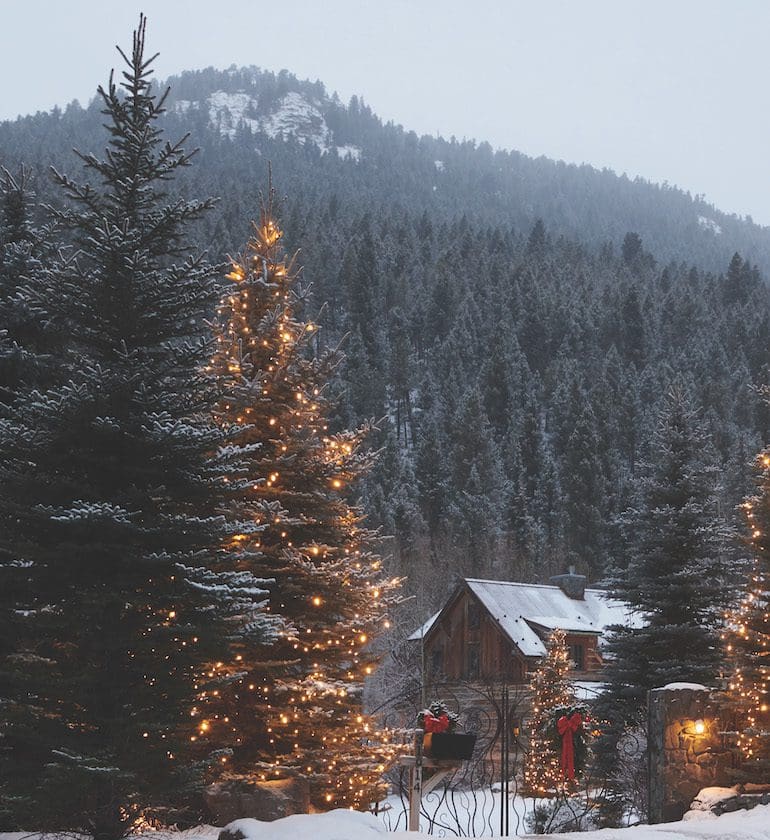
pixel 281 380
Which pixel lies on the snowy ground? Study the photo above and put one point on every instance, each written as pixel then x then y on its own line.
pixel 349 825
pixel 461 813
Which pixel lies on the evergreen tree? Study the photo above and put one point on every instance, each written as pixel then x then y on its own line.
pixel 549 506
pixel 741 280
pixel 551 689
pixel 363 386
pixel 362 287
pixel 479 483
pixel 390 499
pixel 747 640
pixel 399 370
pixel 116 598
pixel 432 471
pixel 675 579
pixel 631 248
pixel 27 338
pixel 632 332
pixel 537 238
pixel 585 491
pixel 296 708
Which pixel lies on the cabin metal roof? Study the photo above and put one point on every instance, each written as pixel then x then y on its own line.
pixel 423 629
pixel 518 606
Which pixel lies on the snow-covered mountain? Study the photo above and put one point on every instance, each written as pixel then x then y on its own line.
pixel 293 115
pixel 249 115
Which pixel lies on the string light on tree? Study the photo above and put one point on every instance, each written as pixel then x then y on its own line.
pixel 295 707
pixel 551 689
pixel 747 640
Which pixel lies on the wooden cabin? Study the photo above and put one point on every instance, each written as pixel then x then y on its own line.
pixel 492 630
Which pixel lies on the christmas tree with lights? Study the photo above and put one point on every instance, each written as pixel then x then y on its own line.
pixel 551 691
pixel 747 642
pixel 296 710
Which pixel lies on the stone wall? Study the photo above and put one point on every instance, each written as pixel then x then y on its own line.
pixel 686 748
pixel 270 800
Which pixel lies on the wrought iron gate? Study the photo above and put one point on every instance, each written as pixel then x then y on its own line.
pixel 481 797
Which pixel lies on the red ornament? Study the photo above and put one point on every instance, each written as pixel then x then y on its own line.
pixel 566 727
pixel 435 724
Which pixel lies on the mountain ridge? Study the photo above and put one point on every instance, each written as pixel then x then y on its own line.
pixel 451 178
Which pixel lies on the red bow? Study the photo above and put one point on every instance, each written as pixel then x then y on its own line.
pixel 566 727
pixel 435 724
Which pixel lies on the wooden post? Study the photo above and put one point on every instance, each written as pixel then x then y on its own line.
pixel 415 786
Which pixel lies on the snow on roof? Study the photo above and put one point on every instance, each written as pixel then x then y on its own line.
pixel 515 606
pixel 684 686
pixel 423 629
pixel 551 622
pixel 588 690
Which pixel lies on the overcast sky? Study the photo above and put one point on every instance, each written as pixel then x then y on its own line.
pixel 673 90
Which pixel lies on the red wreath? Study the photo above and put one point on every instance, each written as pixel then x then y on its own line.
pixel 567 726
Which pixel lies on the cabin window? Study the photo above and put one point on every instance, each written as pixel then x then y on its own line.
pixel 508 665
pixel 514 672
pixel 472 661
pixel 436 661
pixel 577 655
pixel 474 615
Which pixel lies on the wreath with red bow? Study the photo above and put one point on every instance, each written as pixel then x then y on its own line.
pixel 437 718
pixel 566 729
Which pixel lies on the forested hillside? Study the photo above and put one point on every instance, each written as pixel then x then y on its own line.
pixel 513 323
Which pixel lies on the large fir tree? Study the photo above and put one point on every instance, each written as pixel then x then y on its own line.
pixel 676 549
pixel 297 708
pixel 674 581
pixel 116 593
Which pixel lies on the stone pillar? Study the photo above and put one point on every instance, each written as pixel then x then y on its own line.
pixel 685 748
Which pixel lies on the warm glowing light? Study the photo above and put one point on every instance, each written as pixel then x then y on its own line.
pixel 326 542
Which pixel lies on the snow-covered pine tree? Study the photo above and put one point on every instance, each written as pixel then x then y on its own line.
pixel 479 484
pixel 29 345
pixel 747 641
pixel 117 598
pixel 674 578
pixel 586 492
pixel 551 688
pixel 297 708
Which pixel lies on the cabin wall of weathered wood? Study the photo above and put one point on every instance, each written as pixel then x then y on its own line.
pixel 466 643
